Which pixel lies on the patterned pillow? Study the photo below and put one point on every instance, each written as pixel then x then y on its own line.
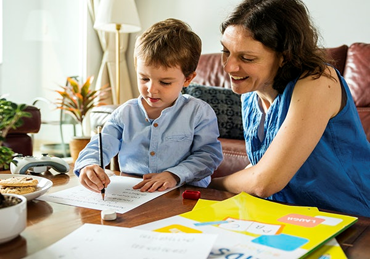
pixel 225 103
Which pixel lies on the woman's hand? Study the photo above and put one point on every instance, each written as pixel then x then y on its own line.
pixel 94 178
pixel 157 182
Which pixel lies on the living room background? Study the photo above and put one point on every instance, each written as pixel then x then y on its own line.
pixel 36 61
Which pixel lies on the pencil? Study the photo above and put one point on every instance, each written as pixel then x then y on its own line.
pixel 102 191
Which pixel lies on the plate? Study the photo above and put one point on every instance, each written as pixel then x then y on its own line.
pixel 42 187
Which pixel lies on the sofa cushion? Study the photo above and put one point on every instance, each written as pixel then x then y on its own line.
pixel 338 57
pixel 357 73
pixel 225 103
pixel 235 157
pixel 211 72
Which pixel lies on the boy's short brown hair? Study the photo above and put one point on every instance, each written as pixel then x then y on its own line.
pixel 169 43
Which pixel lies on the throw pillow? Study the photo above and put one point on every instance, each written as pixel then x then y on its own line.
pixel 225 103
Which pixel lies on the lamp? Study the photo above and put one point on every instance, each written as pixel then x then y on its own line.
pixel 119 16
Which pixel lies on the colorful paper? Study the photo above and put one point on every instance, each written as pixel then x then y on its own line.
pixel 250 227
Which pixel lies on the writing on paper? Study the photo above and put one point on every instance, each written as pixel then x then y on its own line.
pixel 88 241
pixel 119 196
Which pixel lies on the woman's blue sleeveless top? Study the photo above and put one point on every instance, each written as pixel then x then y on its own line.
pixel 336 176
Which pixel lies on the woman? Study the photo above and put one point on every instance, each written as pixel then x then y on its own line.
pixel 303 135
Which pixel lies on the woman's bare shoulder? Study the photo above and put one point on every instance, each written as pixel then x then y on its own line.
pixel 323 92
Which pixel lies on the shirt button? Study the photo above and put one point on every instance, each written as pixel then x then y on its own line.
pixel 155 124
pixel 146 120
pixel 152 153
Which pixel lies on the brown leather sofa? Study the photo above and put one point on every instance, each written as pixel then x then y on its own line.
pixel 19 139
pixel 352 61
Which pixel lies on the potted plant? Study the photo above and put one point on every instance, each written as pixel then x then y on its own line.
pixel 11 115
pixel 77 100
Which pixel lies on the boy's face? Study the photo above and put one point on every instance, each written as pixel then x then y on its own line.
pixel 159 86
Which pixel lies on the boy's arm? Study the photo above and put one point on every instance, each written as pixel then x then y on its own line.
pixel 206 153
pixel 111 143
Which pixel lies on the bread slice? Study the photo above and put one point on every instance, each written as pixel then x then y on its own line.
pixel 18 182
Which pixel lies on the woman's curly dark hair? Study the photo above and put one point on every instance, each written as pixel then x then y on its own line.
pixel 285 27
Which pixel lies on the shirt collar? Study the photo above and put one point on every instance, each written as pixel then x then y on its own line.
pixel 178 103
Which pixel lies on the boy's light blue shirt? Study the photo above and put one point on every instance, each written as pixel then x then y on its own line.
pixel 182 140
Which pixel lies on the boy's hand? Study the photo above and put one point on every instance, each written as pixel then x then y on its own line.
pixel 157 182
pixel 94 178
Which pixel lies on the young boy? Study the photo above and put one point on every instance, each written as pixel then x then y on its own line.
pixel 169 138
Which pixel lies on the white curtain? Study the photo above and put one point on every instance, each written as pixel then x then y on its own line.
pixel 107 72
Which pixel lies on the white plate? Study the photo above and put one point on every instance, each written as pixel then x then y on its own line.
pixel 42 187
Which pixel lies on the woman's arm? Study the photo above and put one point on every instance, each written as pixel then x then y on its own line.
pixel 314 102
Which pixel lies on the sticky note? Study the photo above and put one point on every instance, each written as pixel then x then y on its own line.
pixel 301 220
pixel 281 241
pixel 176 228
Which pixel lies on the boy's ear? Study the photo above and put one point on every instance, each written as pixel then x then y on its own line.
pixel 189 78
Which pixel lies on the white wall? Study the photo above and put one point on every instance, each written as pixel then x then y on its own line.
pixel 35 67
pixel 31 68
pixel 339 22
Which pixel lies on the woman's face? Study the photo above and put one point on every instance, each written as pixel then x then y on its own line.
pixel 250 65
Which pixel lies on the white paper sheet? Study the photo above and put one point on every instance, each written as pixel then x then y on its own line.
pixel 99 241
pixel 119 196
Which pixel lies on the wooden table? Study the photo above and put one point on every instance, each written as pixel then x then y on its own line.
pixel 48 222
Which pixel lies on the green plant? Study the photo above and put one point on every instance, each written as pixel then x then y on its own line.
pixel 11 115
pixel 77 100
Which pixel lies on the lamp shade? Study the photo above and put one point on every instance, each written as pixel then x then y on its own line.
pixel 113 12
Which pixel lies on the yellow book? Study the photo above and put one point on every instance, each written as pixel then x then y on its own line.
pixel 330 250
pixel 251 228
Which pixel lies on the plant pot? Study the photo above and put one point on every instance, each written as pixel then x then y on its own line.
pixel 76 145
